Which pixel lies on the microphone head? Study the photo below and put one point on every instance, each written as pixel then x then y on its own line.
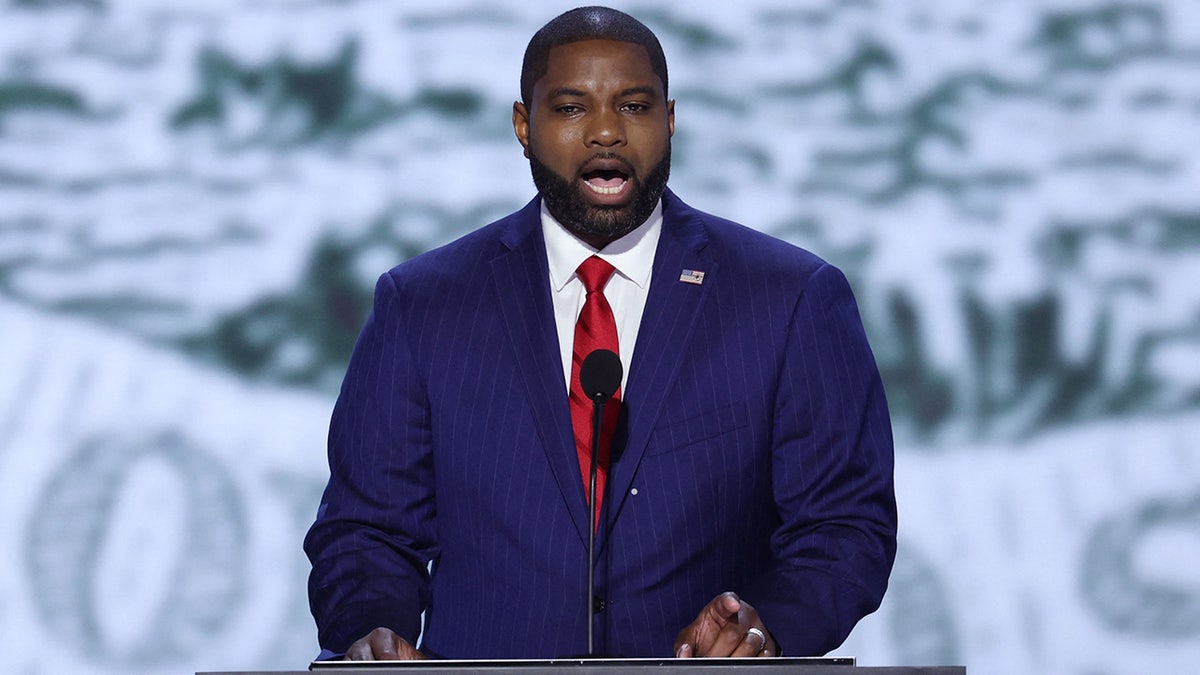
pixel 600 374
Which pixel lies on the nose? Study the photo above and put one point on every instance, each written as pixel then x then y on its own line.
pixel 606 129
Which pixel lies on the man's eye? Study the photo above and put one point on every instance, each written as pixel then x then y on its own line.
pixel 568 109
pixel 636 107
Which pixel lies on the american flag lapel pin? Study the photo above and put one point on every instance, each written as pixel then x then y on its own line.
pixel 692 277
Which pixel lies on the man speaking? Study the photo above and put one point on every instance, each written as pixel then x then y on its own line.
pixel 744 475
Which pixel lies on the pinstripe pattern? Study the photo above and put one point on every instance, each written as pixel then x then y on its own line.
pixel 754 454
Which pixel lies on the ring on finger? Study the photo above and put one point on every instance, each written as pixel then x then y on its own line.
pixel 762 637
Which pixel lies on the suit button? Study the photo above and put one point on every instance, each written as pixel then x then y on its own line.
pixel 598 605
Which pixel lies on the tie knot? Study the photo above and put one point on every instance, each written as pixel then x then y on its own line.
pixel 594 273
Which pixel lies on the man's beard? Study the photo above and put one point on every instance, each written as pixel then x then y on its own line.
pixel 566 202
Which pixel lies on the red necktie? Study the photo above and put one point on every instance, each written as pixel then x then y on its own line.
pixel 595 329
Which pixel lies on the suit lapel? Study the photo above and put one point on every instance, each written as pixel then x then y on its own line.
pixel 521 279
pixel 668 322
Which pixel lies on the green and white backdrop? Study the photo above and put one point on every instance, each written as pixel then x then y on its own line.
pixel 196 196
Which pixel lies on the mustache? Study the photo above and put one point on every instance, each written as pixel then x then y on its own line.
pixel 626 165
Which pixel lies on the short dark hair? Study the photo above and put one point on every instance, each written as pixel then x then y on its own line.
pixel 587 23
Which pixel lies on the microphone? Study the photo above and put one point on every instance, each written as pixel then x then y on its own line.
pixel 599 377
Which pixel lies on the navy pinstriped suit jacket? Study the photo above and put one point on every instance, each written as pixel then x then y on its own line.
pixel 754 454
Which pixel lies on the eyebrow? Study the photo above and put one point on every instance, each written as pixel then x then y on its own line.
pixel 568 91
pixel 648 91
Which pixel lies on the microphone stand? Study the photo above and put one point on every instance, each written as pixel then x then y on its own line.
pixel 599 378
pixel 593 519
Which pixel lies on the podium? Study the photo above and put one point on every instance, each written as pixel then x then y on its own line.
pixel 772 666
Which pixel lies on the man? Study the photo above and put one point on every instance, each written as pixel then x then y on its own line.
pixel 746 504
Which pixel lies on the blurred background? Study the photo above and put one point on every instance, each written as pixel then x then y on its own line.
pixel 197 195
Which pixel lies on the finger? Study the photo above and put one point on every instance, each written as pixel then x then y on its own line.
pixel 724 607
pixel 697 632
pixel 384 644
pixel 360 651
pixel 770 648
pixel 709 637
pixel 742 636
pixel 731 603
pixel 684 638
pixel 684 651
pixel 725 642
pixel 752 644
pixel 408 652
pixel 389 646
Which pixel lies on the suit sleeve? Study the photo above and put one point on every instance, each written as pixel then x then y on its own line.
pixel 832 462
pixel 375 531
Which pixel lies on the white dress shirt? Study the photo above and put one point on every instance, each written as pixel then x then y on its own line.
pixel 626 291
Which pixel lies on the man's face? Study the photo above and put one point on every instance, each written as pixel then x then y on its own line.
pixel 597 133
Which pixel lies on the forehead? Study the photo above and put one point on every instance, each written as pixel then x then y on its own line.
pixel 596 63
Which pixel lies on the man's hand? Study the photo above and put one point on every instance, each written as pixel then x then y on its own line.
pixel 727 626
pixel 382 644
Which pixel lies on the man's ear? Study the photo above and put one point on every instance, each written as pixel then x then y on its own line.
pixel 671 117
pixel 521 125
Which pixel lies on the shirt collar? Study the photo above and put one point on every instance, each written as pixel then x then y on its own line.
pixel 631 255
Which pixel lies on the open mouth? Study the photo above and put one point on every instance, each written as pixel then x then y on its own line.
pixel 606 181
